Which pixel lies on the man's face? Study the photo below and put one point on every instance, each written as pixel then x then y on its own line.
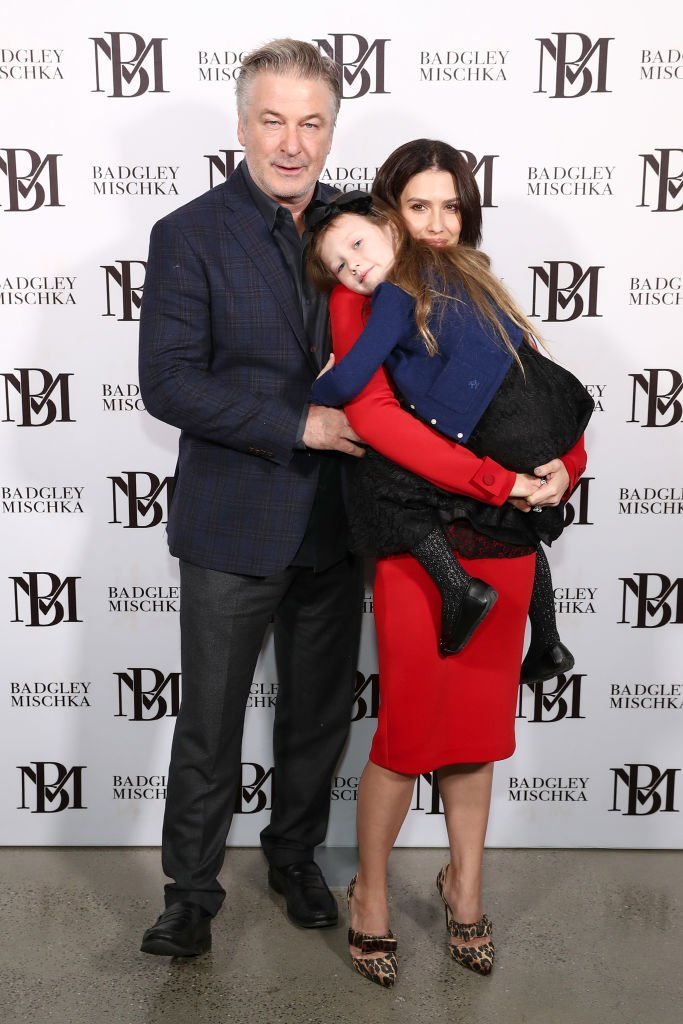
pixel 286 131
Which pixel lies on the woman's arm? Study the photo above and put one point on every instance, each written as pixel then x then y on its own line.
pixel 380 421
pixel 575 463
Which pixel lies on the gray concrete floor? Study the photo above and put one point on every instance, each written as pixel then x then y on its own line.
pixel 582 936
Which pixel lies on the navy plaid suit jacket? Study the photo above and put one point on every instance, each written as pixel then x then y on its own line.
pixel 224 356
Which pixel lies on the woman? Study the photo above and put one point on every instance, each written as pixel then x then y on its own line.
pixel 461 355
pixel 454 716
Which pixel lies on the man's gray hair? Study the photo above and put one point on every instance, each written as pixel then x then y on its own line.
pixel 288 57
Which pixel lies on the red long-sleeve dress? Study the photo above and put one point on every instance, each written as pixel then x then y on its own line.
pixel 437 711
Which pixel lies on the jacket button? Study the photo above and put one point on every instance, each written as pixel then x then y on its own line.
pixel 459 436
pixel 489 479
pixel 412 407
pixel 433 422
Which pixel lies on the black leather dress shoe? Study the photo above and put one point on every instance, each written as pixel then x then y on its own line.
pixel 478 601
pixel 546 665
pixel 184 929
pixel 310 904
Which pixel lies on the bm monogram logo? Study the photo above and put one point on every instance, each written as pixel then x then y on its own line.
pixel 366 696
pixel 551 703
pixel 659 389
pixel 662 187
pixel 353 54
pixel 655 599
pixel 483 171
pixel 48 787
pixel 222 164
pixel 134 64
pixel 568 289
pixel 37 397
pixel 576 509
pixel 573 65
pixel 32 180
pixel 644 786
pixel 48 600
pixel 129 295
pixel 255 791
pixel 147 499
pixel 427 796
pixel 148 694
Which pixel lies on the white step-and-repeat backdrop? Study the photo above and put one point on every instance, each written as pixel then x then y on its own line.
pixel 571 120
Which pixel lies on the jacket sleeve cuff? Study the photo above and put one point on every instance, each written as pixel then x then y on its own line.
pixel 299 445
pixel 493 481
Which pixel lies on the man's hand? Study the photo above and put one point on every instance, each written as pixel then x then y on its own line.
pixel 329 430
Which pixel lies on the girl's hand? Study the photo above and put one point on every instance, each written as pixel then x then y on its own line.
pixel 328 366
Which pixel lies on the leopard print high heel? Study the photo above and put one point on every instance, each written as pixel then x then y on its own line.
pixel 475 958
pixel 383 970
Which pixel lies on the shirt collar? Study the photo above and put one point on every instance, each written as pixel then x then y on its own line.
pixel 270 208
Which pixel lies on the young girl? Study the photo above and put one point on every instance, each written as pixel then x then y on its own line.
pixel 459 353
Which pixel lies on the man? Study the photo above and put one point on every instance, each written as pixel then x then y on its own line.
pixel 231 338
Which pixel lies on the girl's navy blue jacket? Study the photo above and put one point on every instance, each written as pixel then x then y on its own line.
pixel 450 390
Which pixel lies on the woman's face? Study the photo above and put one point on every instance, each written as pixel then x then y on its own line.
pixel 358 251
pixel 430 207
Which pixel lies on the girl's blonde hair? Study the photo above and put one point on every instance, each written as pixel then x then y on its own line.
pixel 430 275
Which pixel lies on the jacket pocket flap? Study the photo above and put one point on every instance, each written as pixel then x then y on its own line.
pixel 461 385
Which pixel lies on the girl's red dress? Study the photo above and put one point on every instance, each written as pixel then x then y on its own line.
pixel 437 711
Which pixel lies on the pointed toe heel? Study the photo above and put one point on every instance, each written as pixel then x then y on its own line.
pixel 475 958
pixel 382 970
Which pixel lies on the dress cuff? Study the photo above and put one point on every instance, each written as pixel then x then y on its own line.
pixel 494 482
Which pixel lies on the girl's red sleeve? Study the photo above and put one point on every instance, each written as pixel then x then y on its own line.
pixel 378 419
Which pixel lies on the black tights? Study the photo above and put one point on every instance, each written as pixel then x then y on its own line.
pixel 436 556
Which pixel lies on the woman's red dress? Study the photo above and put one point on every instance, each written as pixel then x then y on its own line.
pixel 437 711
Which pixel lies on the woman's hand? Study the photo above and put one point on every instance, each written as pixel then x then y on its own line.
pixel 525 488
pixel 551 482
pixel 554 482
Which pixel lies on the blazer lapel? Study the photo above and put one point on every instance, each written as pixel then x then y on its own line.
pixel 247 226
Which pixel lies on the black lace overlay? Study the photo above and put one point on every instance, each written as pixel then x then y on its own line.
pixel 534 417
pixel 391 510
pixel 466 542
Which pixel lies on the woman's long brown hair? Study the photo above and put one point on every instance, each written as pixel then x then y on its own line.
pixel 432 276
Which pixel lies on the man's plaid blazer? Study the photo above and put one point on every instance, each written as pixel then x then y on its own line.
pixel 224 357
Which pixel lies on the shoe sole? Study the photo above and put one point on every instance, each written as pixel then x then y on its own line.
pixel 325 923
pixel 165 947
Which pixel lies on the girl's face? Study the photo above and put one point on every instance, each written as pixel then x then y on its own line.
pixel 358 251
pixel 430 208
